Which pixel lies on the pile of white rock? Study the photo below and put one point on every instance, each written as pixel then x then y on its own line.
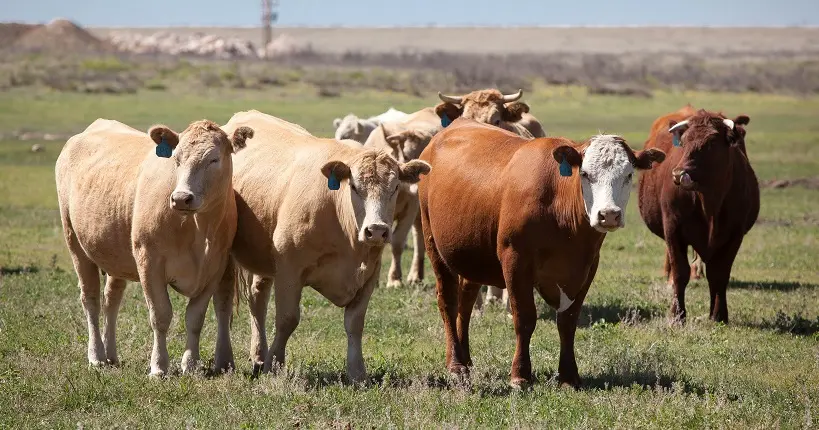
pixel 199 44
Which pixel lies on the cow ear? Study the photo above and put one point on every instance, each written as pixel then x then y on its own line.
pixel 451 111
pixel 644 159
pixel 161 133
pixel 336 122
pixel 566 152
pixel 742 120
pixel 336 168
pixel 513 112
pixel 411 171
pixel 240 137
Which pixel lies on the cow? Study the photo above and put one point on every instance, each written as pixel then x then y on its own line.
pixel 157 208
pixel 491 107
pixel 514 213
pixel 321 217
pixel 501 110
pixel 358 129
pixel 705 196
pixel 404 140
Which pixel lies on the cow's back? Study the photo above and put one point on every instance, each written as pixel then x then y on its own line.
pixel 96 176
pixel 470 161
pixel 283 202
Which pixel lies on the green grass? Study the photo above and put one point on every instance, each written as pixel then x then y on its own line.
pixel 761 371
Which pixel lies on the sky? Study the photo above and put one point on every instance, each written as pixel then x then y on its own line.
pixel 368 13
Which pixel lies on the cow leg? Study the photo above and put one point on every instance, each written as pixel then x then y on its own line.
pixel 697 266
pixel 399 239
pixel 194 320
pixel 160 313
pixel 718 273
pixel 518 279
pixel 288 314
pixel 222 305
pixel 88 275
pixel 567 373
pixel 114 289
pixel 680 273
pixel 468 295
pixel 354 314
pixel 259 298
pixel 493 294
pixel 416 273
pixel 446 285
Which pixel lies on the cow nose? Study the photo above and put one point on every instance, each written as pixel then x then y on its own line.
pixel 376 233
pixel 610 217
pixel 181 199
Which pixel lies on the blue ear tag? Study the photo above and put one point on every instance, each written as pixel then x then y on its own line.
pixel 163 149
pixel 565 168
pixel 332 182
pixel 675 139
pixel 445 121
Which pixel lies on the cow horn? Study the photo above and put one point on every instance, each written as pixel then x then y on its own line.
pixel 679 125
pixel 450 99
pixel 508 98
pixel 728 123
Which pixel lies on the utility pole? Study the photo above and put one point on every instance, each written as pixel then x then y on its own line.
pixel 269 16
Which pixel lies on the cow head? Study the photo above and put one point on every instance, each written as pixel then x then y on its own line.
pixel 353 127
pixel 706 140
pixel 406 144
pixel 606 168
pixel 202 157
pixel 373 178
pixel 486 106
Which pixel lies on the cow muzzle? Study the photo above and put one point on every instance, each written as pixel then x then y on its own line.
pixel 609 219
pixel 682 179
pixel 184 201
pixel 376 234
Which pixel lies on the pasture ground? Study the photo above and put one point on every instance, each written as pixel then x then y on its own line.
pixel 761 371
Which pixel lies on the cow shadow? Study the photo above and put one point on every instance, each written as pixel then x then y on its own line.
pixel 646 379
pixel 793 324
pixel 592 313
pixel 770 286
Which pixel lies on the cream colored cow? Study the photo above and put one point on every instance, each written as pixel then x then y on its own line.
pixel 358 129
pixel 405 139
pixel 320 218
pixel 160 221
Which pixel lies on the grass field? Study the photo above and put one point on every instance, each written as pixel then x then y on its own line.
pixel 761 371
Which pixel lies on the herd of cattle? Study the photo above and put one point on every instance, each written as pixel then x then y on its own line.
pixel 489 197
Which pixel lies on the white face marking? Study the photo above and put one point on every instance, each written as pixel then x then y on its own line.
pixel 195 173
pixel 565 301
pixel 606 176
pixel 374 206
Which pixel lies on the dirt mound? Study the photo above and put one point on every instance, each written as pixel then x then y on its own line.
pixel 11 31
pixel 60 36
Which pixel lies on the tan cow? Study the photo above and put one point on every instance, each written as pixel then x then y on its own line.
pixel 320 218
pixel 405 140
pixel 493 108
pixel 160 220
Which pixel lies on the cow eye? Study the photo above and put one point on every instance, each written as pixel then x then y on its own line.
pixel 628 178
pixel 214 161
pixel 583 174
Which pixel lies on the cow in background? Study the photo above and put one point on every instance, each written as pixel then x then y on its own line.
pixel 706 196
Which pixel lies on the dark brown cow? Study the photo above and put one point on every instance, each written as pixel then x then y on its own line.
pixel 705 196
pixel 495 211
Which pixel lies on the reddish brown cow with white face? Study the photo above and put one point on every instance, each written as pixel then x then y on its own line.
pixel 495 211
pixel 705 195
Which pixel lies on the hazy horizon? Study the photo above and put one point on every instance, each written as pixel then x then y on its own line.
pixel 420 13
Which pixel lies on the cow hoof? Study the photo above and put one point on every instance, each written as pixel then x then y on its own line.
pixel 224 368
pixel 458 369
pixel 394 283
pixel 413 279
pixel 113 362
pixel 157 374
pixel 520 383
pixel 97 363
